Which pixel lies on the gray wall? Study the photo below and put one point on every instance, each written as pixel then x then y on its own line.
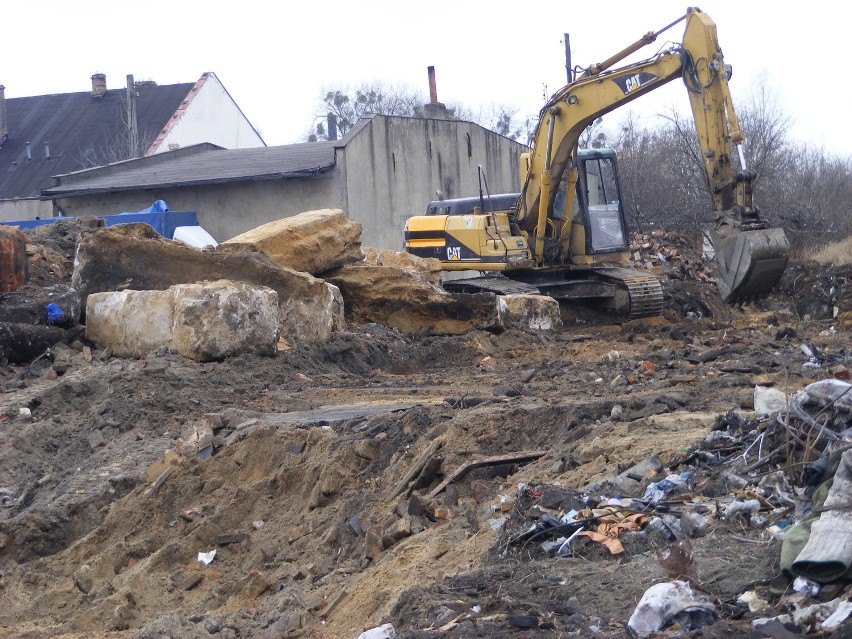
pixel 224 210
pixel 394 165
pixel 386 172
pixel 24 209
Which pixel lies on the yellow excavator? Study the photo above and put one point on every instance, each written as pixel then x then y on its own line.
pixel 565 234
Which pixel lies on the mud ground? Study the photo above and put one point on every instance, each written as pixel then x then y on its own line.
pixel 298 498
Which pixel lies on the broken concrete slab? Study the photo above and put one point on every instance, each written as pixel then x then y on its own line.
pixel 314 241
pixel 420 268
pixel 206 321
pixel 388 296
pixel 134 256
pixel 538 312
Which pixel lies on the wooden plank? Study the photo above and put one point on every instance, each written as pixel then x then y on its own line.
pixel 417 468
pixel 159 482
pixel 461 471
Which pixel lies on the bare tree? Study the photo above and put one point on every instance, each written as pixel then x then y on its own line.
pixel 350 103
pixel 114 143
pixel 502 119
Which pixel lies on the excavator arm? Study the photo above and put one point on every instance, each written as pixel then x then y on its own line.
pixel 750 256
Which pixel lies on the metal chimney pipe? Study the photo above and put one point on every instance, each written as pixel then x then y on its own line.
pixel 332 126
pixel 46 151
pixel 433 89
pixel 29 152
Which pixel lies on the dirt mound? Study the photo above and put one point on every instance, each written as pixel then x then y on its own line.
pixel 379 478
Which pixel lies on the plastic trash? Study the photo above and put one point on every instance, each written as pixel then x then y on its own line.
pixel 828 391
pixel 813 472
pixel 669 603
pixel 844 609
pixel 54 313
pixel 658 491
pixel 195 236
pixel 769 401
pixel 206 557
pixel 385 631
pixel 806 586
pixel 750 506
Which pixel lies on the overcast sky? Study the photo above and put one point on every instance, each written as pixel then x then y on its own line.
pixel 275 57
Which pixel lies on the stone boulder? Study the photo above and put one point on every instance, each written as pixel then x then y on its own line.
pixel 205 321
pixel 424 269
pixel 389 296
pixel 313 242
pixel 134 256
pixel 538 312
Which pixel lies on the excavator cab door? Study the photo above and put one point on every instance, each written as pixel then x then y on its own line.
pixel 600 202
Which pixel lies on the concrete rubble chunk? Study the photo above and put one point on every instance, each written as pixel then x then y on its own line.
pixel 388 296
pixel 83 579
pixel 205 322
pixel 253 585
pixel 538 312
pixel 134 256
pixel 314 241
pixel 420 268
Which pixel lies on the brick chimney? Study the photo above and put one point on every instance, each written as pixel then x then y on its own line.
pixel 434 110
pixel 98 85
pixel 4 132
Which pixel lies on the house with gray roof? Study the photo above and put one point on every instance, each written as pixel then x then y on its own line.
pixel 46 135
pixel 385 169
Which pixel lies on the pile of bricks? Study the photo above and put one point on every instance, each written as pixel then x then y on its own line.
pixel 676 255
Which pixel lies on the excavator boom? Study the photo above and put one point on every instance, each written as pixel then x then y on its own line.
pixel 752 256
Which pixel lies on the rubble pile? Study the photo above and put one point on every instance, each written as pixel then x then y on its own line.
pixel 424 464
pixel 687 276
pixel 676 253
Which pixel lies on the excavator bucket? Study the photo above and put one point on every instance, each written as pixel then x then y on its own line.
pixel 750 263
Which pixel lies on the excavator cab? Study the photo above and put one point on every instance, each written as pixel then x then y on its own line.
pixel 599 196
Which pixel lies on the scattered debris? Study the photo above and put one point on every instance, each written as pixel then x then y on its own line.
pixel 360 475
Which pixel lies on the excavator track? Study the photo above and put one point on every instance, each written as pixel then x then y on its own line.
pixel 637 294
pixel 628 293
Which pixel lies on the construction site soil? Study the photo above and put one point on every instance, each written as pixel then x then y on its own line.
pixel 304 500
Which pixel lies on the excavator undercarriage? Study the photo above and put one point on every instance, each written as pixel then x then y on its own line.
pixel 623 291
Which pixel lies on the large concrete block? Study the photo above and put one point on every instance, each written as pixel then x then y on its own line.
pixel 538 312
pixel 314 241
pixel 134 256
pixel 424 269
pixel 205 321
pixel 389 296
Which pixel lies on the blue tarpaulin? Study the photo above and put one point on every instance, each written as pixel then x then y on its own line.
pixel 157 215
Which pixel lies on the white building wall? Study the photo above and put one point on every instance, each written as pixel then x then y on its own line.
pixel 211 116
